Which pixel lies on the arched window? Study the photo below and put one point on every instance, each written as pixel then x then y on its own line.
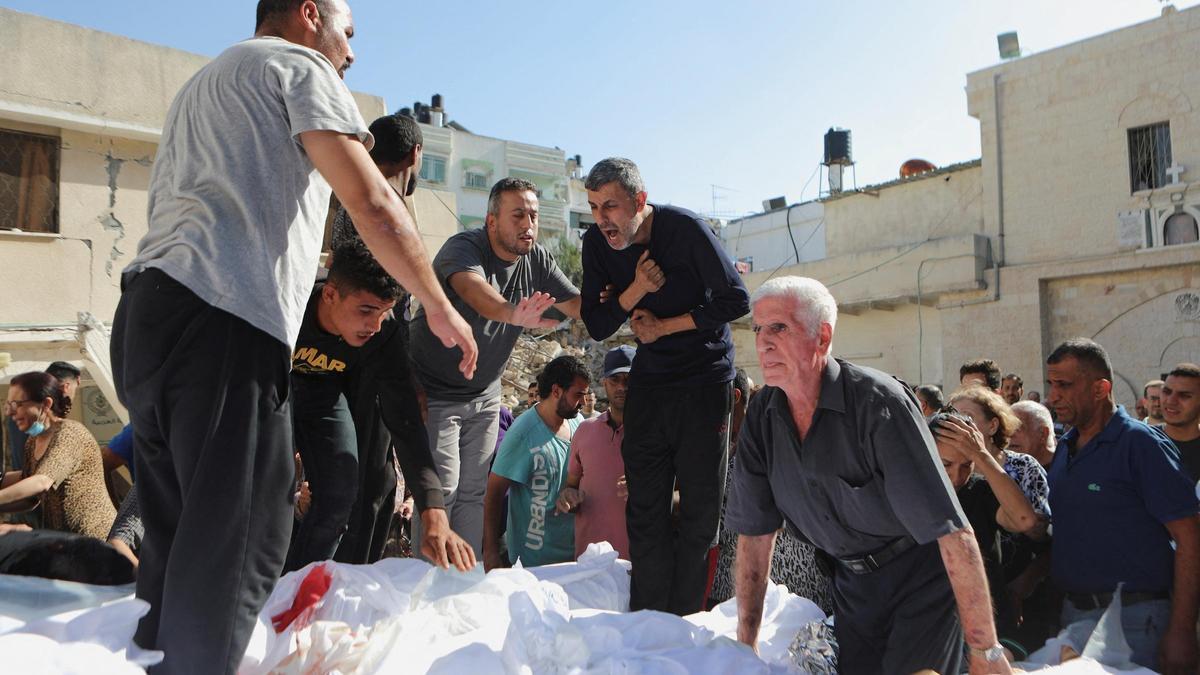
pixel 1180 228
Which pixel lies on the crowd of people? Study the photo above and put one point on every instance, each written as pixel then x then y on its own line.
pixel 279 419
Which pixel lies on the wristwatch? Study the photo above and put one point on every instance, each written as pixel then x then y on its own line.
pixel 991 654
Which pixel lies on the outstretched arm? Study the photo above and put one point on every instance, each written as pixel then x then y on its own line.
pixel 1178 651
pixel 752 566
pixel 19 494
pixel 964 566
pixel 492 306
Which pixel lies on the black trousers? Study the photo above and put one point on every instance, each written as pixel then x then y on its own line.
pixel 901 618
pixel 371 515
pixel 674 438
pixel 328 447
pixel 207 395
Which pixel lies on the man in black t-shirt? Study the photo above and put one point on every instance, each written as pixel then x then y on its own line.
pixel 350 370
pixel 1181 412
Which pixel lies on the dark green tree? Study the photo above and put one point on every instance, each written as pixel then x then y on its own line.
pixel 569 256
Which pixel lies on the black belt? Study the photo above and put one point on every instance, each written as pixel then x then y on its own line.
pixel 872 562
pixel 1086 601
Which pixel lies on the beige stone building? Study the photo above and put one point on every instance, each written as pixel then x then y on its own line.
pixel 81 113
pixel 1079 220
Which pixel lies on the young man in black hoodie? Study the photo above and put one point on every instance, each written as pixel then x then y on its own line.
pixel 350 371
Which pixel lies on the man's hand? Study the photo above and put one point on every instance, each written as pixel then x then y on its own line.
pixel 405 508
pixel 569 499
pixel 623 488
pixel 607 293
pixel 492 558
pixel 441 545
pixel 1177 652
pixel 5 528
pixel 422 401
pixel 303 500
pixel 124 550
pixel 528 312
pixel 648 276
pixel 449 326
pixel 964 567
pixel 646 326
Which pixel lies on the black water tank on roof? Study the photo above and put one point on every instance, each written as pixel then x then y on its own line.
pixel 837 146
pixel 437 101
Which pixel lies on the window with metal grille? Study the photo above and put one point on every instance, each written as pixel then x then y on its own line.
pixel 476 181
pixel 1149 156
pixel 433 169
pixel 28 181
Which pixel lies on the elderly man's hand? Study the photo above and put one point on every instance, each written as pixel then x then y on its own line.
pixel 980 666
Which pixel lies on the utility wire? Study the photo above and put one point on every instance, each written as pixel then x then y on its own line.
pixel 449 210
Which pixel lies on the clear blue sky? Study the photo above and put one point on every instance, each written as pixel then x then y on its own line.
pixel 698 92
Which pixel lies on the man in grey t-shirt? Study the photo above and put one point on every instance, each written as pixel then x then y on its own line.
pixel 211 307
pixel 502 281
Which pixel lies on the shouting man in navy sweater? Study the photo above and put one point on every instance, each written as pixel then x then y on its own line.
pixel 663 269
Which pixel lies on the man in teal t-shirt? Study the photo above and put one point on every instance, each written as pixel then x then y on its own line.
pixel 531 467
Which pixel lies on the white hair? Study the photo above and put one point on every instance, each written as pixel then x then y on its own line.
pixel 1036 412
pixel 814 303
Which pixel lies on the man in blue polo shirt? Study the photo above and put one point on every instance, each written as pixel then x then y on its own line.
pixel 1119 498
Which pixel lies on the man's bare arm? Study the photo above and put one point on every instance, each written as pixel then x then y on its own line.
pixel 388 231
pixel 493 517
pixel 1178 651
pixel 571 307
pixel 752 566
pixel 964 566
pixel 489 304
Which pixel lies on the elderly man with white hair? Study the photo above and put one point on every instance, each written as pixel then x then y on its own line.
pixel 1035 436
pixel 843 456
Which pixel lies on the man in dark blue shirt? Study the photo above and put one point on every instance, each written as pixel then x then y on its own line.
pixel 667 274
pixel 1119 498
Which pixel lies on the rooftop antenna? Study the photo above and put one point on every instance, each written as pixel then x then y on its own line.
pixel 717 197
